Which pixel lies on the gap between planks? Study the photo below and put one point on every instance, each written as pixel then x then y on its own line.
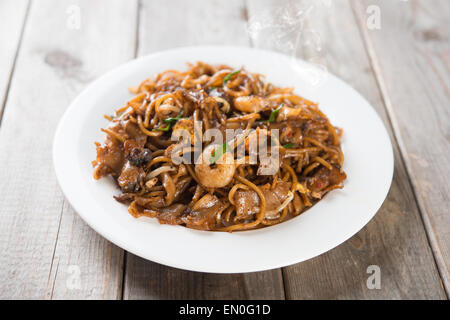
pixel 395 126
pixel 136 50
pixel 13 67
pixel 247 281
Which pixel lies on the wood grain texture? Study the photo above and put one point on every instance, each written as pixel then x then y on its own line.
pixel 47 252
pixel 410 55
pixel 395 239
pixel 176 23
pixel 194 22
pixel 148 280
pixel 12 19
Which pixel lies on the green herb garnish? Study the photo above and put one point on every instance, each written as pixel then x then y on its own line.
pixel 288 145
pixel 173 120
pixel 219 152
pixel 230 75
pixel 163 129
pixel 274 114
pixel 170 122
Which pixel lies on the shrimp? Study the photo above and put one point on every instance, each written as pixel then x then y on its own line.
pixel 215 175
pixel 287 113
pixel 250 104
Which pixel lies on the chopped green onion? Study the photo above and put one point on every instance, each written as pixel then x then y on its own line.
pixel 288 145
pixel 163 129
pixel 170 122
pixel 173 120
pixel 274 114
pixel 220 152
pixel 230 75
pixel 211 88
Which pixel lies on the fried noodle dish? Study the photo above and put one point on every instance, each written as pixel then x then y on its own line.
pixel 220 189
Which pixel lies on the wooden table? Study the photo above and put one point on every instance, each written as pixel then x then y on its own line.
pixel 51 50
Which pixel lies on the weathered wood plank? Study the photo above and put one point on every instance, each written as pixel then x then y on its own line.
pixel 148 280
pixel 194 22
pixel 410 55
pixel 395 239
pixel 12 19
pixel 47 252
pixel 168 24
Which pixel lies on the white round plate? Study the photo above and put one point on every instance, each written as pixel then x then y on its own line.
pixel 341 214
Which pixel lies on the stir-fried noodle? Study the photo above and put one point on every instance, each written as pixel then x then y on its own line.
pixel 220 188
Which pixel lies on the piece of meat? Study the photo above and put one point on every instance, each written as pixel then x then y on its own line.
pixel 275 197
pixel 153 202
pixel 110 155
pixel 324 178
pixel 110 159
pixel 247 202
pixel 130 178
pixel 203 214
pixel 124 198
pixel 170 214
pixel 181 186
pixel 167 215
